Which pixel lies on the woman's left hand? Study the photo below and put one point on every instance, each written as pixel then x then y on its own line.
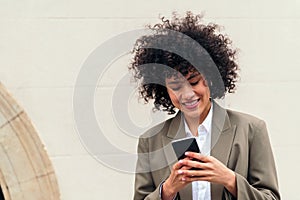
pixel 208 168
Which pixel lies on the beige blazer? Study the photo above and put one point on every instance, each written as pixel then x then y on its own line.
pixel 239 141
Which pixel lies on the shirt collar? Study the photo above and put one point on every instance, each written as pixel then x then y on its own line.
pixel 207 121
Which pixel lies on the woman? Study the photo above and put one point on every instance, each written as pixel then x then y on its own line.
pixel 236 160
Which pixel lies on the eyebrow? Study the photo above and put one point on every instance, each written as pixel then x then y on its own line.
pixel 178 81
pixel 193 76
pixel 174 82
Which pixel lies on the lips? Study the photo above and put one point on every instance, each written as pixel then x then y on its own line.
pixel 191 104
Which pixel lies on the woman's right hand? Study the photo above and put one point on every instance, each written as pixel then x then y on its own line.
pixel 174 182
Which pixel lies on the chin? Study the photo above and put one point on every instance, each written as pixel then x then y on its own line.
pixel 192 114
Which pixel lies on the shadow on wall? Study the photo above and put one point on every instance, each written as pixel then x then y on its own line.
pixel 26 171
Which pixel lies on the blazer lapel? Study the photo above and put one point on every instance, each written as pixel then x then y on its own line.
pixel 222 138
pixel 176 131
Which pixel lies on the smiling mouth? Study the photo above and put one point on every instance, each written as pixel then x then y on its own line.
pixel 191 104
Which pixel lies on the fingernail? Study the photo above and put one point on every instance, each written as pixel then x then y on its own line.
pixel 186 153
pixel 183 179
pixel 179 172
pixel 180 161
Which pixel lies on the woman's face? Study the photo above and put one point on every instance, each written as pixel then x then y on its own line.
pixel 190 94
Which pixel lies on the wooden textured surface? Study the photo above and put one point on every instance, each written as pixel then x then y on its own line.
pixel 25 169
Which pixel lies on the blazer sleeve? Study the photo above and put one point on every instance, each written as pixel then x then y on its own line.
pixel 144 185
pixel 261 183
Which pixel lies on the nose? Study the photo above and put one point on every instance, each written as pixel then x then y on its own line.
pixel 188 92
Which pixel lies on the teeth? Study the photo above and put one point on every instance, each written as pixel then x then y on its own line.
pixel 190 103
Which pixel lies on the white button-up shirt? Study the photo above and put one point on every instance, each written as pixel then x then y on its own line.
pixel 201 189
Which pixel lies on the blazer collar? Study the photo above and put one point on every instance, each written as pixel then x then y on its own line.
pixel 176 129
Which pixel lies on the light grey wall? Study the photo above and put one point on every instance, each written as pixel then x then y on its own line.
pixel 43 45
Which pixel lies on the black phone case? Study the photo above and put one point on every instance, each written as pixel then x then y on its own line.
pixel 183 145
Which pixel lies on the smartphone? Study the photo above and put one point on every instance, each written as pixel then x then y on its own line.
pixel 183 145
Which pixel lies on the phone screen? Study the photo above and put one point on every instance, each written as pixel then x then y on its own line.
pixel 183 145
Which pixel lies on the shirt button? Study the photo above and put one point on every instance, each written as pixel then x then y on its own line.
pixel 201 138
pixel 202 186
pixel 201 128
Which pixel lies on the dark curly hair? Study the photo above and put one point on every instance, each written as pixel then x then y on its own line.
pixel 183 45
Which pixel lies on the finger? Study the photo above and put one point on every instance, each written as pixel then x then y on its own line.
pixel 198 156
pixel 186 167
pixel 181 177
pixel 189 179
pixel 191 175
pixel 187 158
pixel 183 163
pixel 178 165
pixel 194 164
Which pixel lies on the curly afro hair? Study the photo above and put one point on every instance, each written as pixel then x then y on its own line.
pixel 183 45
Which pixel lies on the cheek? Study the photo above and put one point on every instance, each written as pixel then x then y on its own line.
pixel 203 89
pixel 173 98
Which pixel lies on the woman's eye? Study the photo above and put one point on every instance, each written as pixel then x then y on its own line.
pixel 194 83
pixel 175 88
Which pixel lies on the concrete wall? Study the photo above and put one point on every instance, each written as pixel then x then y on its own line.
pixel 44 44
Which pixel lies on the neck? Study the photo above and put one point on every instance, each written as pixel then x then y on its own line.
pixel 193 126
pixel 193 123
